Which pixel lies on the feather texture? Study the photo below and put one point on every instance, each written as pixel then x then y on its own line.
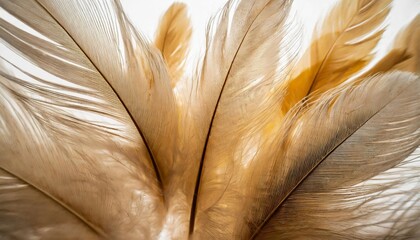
pixel 289 162
pixel 67 142
pixel 342 47
pixel 128 60
pixel 410 38
pixel 246 98
pixel 367 187
pixel 48 219
pixel 102 135
pixel 404 54
pixel 198 99
pixel 173 39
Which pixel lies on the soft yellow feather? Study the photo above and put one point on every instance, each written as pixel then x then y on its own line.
pixel 173 39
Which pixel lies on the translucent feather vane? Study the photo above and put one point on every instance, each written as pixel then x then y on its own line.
pixel 104 134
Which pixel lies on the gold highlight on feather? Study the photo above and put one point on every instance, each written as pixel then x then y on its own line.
pixel 351 193
pixel 173 38
pixel 410 39
pixel 341 49
pixel 405 53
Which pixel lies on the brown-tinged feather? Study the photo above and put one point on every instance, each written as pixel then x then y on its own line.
pixel 244 121
pixel 367 186
pixel 342 46
pixel 409 38
pixel 133 68
pixel 404 54
pixel 72 159
pixel 173 39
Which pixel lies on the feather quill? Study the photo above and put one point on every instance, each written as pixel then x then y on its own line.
pixel 173 39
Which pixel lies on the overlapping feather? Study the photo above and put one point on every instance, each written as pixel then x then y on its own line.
pixel 367 186
pixel 245 97
pixel 342 46
pixel 95 144
pixel 345 195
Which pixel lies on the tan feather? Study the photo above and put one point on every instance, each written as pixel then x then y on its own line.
pixel 342 47
pixel 410 38
pixel 243 122
pixel 404 54
pixel 365 188
pixel 198 98
pixel 97 143
pixel 21 202
pixel 134 70
pixel 72 160
pixel 173 39
pixel 270 175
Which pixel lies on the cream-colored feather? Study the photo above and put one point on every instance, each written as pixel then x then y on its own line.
pixel 198 98
pixel 266 176
pixel 25 212
pixel 173 39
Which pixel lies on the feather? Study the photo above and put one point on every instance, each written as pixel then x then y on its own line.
pixel 48 220
pixel 70 152
pixel 404 54
pixel 173 38
pixel 134 70
pixel 197 99
pixel 99 140
pixel 247 108
pixel 342 47
pixel 267 178
pixel 410 38
pixel 367 187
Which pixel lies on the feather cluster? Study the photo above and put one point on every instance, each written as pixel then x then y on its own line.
pixel 104 136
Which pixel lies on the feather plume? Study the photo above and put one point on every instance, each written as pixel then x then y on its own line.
pixel 342 47
pixel 270 176
pixel 410 38
pixel 173 38
pixel 245 98
pixel 69 149
pixel 103 137
pixel 133 69
pixel 366 187
pixel 404 54
pixel 198 98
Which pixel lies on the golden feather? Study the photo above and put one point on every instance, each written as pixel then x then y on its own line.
pixel 173 39
pixel 342 46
